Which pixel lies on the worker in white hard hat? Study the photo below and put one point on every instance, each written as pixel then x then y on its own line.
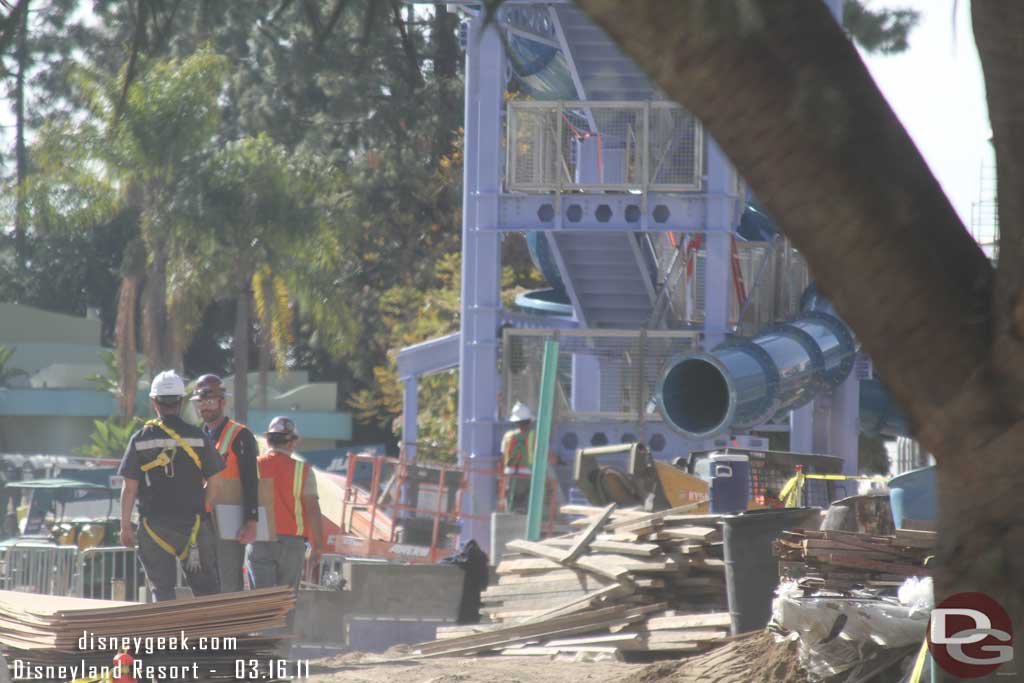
pixel 171 468
pixel 517 446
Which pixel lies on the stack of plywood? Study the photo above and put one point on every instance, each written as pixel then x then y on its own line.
pixel 628 582
pixel 202 637
pixel 842 561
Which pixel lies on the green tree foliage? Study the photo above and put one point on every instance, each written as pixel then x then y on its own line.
pixel 309 144
pixel 411 315
pixel 109 438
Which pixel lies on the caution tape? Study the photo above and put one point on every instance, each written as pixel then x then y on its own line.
pixel 792 493
pixel 922 657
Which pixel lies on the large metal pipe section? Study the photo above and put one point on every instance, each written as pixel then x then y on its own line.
pixel 744 383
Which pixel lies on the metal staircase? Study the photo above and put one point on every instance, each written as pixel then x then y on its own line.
pixel 607 277
pixel 602 71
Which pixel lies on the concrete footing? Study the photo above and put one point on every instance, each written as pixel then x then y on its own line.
pixel 381 605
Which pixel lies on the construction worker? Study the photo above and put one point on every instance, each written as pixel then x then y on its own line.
pixel 296 512
pixel 238 449
pixel 170 467
pixel 517 446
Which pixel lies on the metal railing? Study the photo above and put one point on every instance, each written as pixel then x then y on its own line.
pixel 624 146
pixel 109 574
pixel 39 568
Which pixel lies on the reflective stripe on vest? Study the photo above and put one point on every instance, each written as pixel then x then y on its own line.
pixel 225 446
pixel 297 480
pixel 288 475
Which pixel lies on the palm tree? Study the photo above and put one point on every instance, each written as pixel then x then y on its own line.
pixel 256 203
pixel 139 147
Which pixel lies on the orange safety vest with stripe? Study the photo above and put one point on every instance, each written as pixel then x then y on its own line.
pixel 226 447
pixel 289 476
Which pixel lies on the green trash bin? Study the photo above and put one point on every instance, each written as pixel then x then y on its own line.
pixel 751 571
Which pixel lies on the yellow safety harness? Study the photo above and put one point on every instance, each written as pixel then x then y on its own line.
pixel 793 492
pixel 163 460
pixel 167 546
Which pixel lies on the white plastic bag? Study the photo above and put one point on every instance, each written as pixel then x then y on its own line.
pixel 917 594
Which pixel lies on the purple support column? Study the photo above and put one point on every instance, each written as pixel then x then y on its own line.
pixel 481 274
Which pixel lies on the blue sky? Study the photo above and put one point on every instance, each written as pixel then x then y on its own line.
pixel 937 90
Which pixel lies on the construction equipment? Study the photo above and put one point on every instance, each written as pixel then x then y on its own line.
pixel 638 480
pixel 392 508
pixel 628 475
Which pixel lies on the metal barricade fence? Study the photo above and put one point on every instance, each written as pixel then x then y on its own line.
pixel 113 573
pixel 39 568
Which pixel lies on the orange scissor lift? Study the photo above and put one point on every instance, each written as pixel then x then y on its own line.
pixel 409 511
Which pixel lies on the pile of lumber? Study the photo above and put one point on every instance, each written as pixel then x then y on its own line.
pixel 628 582
pixel 56 631
pixel 842 560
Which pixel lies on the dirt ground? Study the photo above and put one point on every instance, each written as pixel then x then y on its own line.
pixel 753 659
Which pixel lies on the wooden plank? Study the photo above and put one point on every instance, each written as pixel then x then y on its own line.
pixel 605 639
pixel 561 574
pixel 588 535
pixel 539 587
pixel 920 525
pixel 670 647
pixel 499 635
pixel 594 510
pixel 618 566
pixel 536 651
pixel 688 621
pixel 537 550
pixel 688 635
pixel 524 566
pixel 872 565
pixel 558 627
pixel 696 520
pixel 655 516
pixel 694 533
pixel 621 548
pixel 916 539
pixel 580 603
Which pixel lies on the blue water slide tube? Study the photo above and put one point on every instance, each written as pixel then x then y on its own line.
pixel 742 383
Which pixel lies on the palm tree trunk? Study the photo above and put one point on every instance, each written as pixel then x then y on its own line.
pixel 20 152
pixel 155 330
pixel 240 344
pixel 124 335
pixel 265 343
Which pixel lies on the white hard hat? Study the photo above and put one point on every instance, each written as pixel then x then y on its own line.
pixel 167 383
pixel 520 413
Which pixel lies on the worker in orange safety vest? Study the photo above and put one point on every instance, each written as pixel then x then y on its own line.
pixel 296 512
pixel 238 449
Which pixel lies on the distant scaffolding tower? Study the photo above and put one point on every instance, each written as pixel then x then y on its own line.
pixel 985 212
